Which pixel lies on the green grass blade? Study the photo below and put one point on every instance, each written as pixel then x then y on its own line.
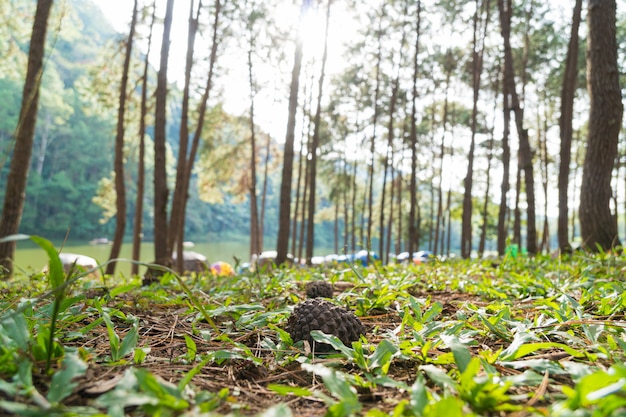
pixel 462 355
pixel 129 343
pixel 56 277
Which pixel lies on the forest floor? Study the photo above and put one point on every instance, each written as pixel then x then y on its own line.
pixel 514 337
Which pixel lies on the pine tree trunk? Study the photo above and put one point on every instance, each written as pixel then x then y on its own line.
pixel 176 223
pixel 413 228
pixel 15 193
pixel 141 163
pixel 315 144
pixel 605 120
pixel 284 215
pixel 542 126
pixel 120 186
pixel 354 207
pixel 568 92
pixel 296 211
pixel 266 165
pixel 442 152
pixel 490 146
pixel 525 155
pixel 195 142
pixel 506 164
pixel 162 252
pixel 255 246
pixel 392 110
pixel 517 213
pixel 370 179
pixel 477 68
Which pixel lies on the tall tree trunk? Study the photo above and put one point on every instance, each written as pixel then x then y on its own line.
pixel 526 163
pixel 346 203
pixel 413 229
pixel 176 219
pixel 542 138
pixel 400 214
pixel 517 212
pixel 485 214
pixel 298 219
pixel 336 227
pixel 296 211
pixel 307 173
pixel 506 164
pixel 392 110
pixel 431 216
pixel 266 165
pixel 477 68
pixel 120 186
pixel 310 235
pixel 370 177
pixel 605 121
pixel 449 203
pixel 568 92
pixel 141 163
pixel 354 206
pixel 255 244
pixel 162 252
pixel 577 174
pixel 15 193
pixel 390 219
pixel 284 215
pixel 384 254
pixel 195 143
pixel 442 150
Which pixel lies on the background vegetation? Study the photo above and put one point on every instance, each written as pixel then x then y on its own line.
pixel 361 196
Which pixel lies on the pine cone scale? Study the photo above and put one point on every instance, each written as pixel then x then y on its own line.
pixel 320 314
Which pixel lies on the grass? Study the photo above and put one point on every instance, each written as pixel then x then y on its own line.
pixel 520 337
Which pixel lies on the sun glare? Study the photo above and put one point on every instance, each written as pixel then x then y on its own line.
pixel 342 30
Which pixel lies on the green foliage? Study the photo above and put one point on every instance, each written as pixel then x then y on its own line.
pixel 532 335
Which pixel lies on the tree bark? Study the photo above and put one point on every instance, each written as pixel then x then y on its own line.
pixel 485 212
pixel 176 219
pixel 314 145
pixel 15 193
pixel 255 244
pixel 195 142
pixel 477 68
pixel 542 130
pixel 284 214
pixel 266 165
pixel 506 164
pixel 307 172
pixel 568 92
pixel 299 180
pixel 120 186
pixel 162 252
pixel 392 109
pixel 598 227
pixel 370 176
pixel 490 146
pixel 449 60
pixel 141 163
pixel 413 229
pixel 526 163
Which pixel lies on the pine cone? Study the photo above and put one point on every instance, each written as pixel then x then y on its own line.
pixel 320 314
pixel 322 289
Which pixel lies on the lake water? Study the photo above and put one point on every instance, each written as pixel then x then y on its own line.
pixel 30 258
